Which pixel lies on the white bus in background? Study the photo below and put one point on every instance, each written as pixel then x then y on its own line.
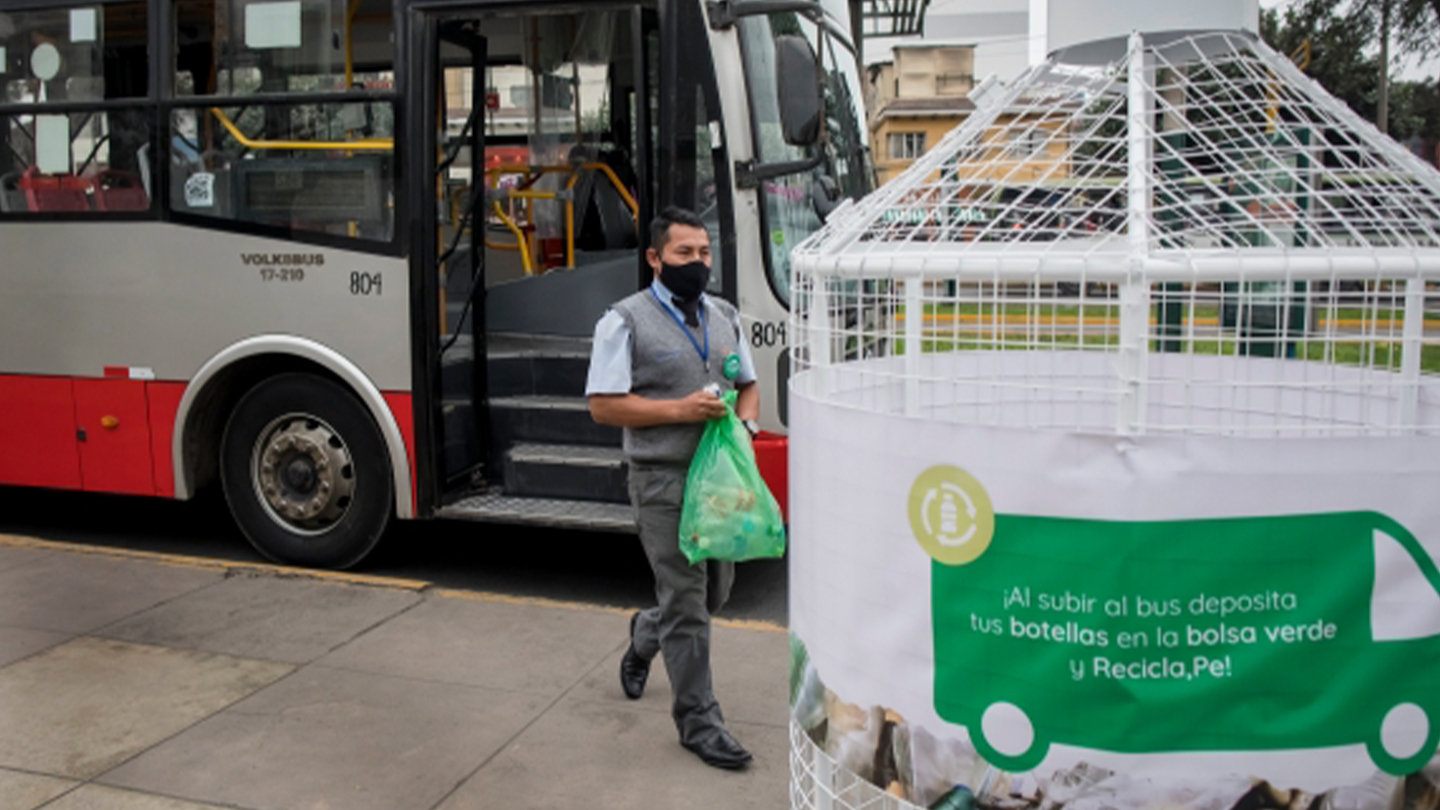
pixel 342 258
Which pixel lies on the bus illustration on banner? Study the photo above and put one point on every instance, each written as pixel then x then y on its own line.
pixel 1237 634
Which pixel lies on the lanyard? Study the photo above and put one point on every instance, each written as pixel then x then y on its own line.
pixel 704 324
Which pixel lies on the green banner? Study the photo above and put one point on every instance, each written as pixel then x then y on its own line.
pixel 1235 634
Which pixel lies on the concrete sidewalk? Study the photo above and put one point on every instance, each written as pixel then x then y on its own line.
pixel 144 682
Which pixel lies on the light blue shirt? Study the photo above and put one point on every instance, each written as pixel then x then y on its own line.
pixel 610 354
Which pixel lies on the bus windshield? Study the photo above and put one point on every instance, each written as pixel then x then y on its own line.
pixel 788 213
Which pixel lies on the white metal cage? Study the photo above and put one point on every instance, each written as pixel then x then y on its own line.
pixel 818 782
pixel 1196 238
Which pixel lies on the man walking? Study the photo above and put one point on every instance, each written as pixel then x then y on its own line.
pixel 655 353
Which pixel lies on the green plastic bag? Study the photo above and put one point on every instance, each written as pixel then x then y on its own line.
pixel 729 513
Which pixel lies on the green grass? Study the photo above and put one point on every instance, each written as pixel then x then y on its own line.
pixel 1109 308
pixel 1382 355
pixel 930 345
pixel 1377 355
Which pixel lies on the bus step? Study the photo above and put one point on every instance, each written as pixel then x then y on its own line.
pixel 555 512
pixel 563 420
pixel 581 472
pixel 538 374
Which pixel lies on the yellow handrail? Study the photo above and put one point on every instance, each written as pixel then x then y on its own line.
pixel 573 170
pixel 614 181
pixel 350 42
pixel 365 145
pixel 529 195
pixel 519 238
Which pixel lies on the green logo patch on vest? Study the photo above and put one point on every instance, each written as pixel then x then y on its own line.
pixel 732 366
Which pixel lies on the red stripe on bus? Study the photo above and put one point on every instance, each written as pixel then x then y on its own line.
pixel 118 371
pixel 113 419
pixel 164 398
pixel 772 456
pixel 400 404
pixel 38 446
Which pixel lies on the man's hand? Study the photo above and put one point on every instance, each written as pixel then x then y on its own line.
pixel 633 411
pixel 701 406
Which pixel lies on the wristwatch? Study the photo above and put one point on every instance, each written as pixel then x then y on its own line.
pixel 752 426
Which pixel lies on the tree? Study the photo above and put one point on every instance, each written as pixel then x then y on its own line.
pixel 1414 24
pixel 1415 111
pixel 1338 47
pixel 1339 40
pixel 1342 29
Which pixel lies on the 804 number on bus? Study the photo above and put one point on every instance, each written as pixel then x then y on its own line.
pixel 763 334
pixel 365 283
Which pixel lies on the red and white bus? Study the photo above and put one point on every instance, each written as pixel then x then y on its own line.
pixel 247 243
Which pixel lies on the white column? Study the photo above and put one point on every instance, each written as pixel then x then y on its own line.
pixel 914 335
pixel 819 333
pixel 1135 292
pixel 824 779
pixel 1412 344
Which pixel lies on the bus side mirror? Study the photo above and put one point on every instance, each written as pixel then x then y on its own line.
pixel 797 79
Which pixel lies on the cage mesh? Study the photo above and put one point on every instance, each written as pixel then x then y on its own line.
pixel 818 782
pixel 1195 238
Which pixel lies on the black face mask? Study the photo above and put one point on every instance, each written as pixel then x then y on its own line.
pixel 687 281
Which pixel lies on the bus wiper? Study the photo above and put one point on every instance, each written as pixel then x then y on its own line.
pixel 749 174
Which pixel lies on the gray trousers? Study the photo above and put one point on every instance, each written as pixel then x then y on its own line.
pixel 679 626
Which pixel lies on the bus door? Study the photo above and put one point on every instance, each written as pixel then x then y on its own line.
pixel 532 153
pixel 553 126
pixel 447 248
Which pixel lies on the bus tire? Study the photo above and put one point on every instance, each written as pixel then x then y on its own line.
pixel 305 472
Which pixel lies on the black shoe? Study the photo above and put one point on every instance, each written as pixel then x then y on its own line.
pixel 633 669
pixel 721 751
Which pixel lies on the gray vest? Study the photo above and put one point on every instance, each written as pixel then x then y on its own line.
pixel 664 365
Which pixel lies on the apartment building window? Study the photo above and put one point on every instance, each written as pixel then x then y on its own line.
pixel 906 145
pixel 1027 141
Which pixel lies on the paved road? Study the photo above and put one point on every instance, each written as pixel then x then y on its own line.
pixel 602 569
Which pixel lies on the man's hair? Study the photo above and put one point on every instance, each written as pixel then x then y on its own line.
pixel 672 215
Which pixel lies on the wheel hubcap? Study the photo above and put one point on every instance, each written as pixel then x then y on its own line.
pixel 303 473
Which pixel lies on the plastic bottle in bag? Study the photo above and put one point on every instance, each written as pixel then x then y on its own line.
pixel 958 799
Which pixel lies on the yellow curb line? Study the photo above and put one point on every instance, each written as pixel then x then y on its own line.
pixel 183 561
pixel 531 601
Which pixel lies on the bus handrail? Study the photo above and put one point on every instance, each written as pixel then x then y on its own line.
pixel 364 145
pixel 573 169
pixel 519 237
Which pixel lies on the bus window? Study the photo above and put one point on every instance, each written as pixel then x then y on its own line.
pixel 292 46
pixel 560 141
pixel 264 152
pixel 76 162
pixel 79 53
pixel 706 193
pixel 690 173
pixel 323 168
pixel 59 157
pixel 789 214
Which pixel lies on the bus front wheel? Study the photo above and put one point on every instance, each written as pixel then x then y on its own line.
pixel 305 472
